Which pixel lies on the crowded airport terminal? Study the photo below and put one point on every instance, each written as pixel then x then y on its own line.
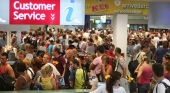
pixel 85 46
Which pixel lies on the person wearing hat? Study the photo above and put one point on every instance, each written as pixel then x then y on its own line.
pixel 29 70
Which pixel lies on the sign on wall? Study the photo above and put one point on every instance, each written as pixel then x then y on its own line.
pixel 51 12
pixel 116 7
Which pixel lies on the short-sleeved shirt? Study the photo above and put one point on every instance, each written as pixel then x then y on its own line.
pixel 112 56
pixel 50 48
pixel 161 88
pixel 121 64
pixel 59 62
pixel 97 61
pixel 137 48
pixel 160 53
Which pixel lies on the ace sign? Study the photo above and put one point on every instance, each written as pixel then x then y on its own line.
pixel 51 12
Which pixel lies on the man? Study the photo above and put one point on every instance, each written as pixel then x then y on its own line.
pixel 160 52
pixel 50 47
pixel 5 68
pixel 59 62
pixel 3 40
pixel 141 53
pixel 78 76
pixel 121 67
pixel 46 62
pixel 22 56
pixel 111 54
pixel 136 48
pixel 95 65
pixel 69 57
pixel 158 71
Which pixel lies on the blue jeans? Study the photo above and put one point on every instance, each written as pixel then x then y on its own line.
pixel 143 88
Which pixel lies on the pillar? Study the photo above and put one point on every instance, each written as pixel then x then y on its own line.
pixel 8 45
pixel 119 24
pixel 19 38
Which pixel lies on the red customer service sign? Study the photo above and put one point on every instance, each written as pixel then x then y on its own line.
pixel 34 12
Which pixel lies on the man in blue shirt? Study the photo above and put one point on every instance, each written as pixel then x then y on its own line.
pixel 160 52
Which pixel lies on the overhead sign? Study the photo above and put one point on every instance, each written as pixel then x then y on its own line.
pixel 51 12
pixel 116 7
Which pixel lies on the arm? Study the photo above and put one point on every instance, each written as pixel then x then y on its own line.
pixel 154 57
pixel 10 71
pixel 107 72
pixel 92 66
pixel 139 73
pixel 53 82
pixel 137 69
pixel 64 66
pixel 124 72
pixel 18 84
pixel 134 52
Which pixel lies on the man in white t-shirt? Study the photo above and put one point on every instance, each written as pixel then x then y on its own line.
pixel 158 71
pixel 46 62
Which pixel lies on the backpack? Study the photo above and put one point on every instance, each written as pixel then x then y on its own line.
pixel 133 64
pixel 167 87
pixel 6 82
pixel 38 85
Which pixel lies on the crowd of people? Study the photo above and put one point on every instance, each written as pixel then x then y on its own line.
pixel 52 60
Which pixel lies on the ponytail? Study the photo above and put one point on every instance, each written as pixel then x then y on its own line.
pixel 45 70
pixel 109 85
pixel 111 79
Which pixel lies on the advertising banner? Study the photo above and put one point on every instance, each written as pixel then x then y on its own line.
pixel 116 7
pixel 51 12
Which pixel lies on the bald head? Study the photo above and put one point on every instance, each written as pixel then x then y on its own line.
pixel 69 54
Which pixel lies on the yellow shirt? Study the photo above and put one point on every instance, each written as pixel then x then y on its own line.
pixel 46 83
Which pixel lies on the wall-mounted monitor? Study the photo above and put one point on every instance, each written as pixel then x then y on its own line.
pixel 97 21
pixel 103 19
pixel 92 20
pixel 108 21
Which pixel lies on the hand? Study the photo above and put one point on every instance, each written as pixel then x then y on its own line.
pixel 61 76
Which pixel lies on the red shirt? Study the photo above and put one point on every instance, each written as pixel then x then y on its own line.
pixel 58 63
pixel 3 69
pixel 111 56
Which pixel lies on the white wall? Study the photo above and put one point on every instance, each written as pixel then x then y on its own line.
pixel 14 27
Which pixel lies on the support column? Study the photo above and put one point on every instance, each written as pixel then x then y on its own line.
pixel 19 38
pixel 119 25
pixel 8 39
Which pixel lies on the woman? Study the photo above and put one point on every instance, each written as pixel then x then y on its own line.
pixel 167 70
pixel 106 67
pixel 29 70
pixel 36 66
pixel 75 56
pixel 46 81
pixel 23 81
pixel 144 73
pixel 165 59
pixel 166 64
pixel 112 84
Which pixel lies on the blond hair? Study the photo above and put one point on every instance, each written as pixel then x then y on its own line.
pixel 93 55
pixel 27 61
pixel 46 70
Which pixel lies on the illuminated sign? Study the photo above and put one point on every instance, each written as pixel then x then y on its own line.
pixel 54 12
